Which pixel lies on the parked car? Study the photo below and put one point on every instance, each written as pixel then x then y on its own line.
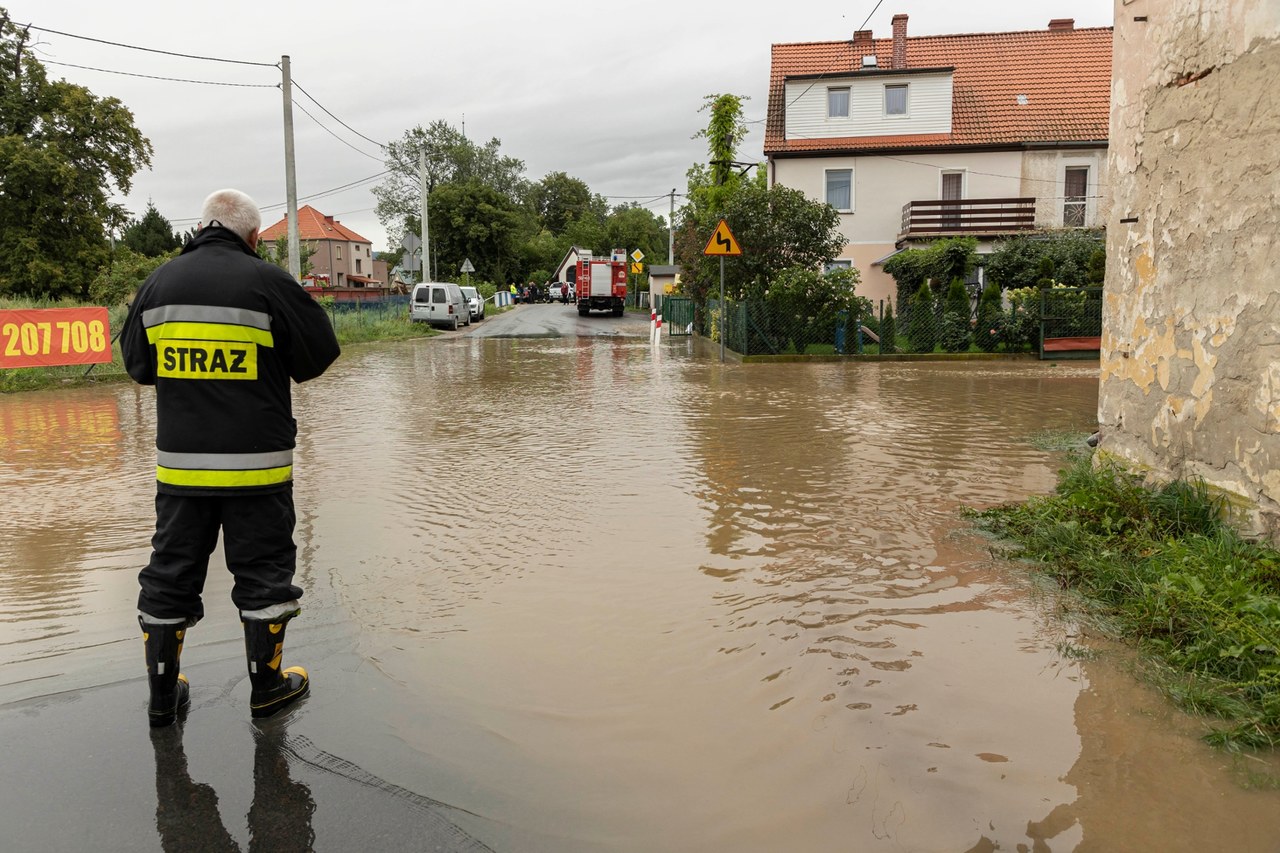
pixel 475 302
pixel 439 303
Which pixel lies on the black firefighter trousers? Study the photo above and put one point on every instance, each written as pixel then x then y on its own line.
pixel 257 537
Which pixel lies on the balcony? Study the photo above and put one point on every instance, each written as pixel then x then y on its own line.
pixel 975 217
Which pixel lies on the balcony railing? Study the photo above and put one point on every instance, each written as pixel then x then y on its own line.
pixel 972 216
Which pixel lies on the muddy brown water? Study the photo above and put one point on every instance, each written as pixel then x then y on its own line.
pixel 605 597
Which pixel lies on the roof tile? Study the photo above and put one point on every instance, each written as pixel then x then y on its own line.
pixel 1064 74
pixel 312 225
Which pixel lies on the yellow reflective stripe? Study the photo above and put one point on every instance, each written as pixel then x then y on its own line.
pixel 223 479
pixel 182 330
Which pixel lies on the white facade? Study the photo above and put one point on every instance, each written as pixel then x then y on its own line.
pixel 927 105
pixel 883 184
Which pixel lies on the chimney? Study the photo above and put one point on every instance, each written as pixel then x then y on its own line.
pixel 1062 24
pixel 863 46
pixel 899 42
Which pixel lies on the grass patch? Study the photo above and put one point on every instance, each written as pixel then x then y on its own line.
pixel 354 327
pixel 1162 571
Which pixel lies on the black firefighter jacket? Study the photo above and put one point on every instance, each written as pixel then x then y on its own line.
pixel 220 333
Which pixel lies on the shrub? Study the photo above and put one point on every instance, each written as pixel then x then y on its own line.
pixel 990 326
pixel 922 324
pixel 888 331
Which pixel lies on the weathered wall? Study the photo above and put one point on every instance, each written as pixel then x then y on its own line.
pixel 1191 338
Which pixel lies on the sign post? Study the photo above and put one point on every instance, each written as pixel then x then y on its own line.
pixel 466 269
pixel 722 244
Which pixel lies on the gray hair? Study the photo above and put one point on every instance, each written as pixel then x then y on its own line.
pixel 232 209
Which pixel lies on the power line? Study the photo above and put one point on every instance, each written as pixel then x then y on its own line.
pixel 298 86
pixel 334 135
pixel 169 79
pixel 311 197
pixel 152 49
pixel 822 76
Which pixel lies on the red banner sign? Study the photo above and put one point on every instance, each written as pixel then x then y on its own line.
pixel 46 337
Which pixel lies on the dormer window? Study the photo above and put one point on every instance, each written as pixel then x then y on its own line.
pixel 895 99
pixel 838 102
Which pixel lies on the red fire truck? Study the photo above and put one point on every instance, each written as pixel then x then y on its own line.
pixel 602 284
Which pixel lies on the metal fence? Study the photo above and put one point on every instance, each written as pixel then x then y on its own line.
pixel 1061 321
pixel 756 328
pixel 1070 322
pixel 368 312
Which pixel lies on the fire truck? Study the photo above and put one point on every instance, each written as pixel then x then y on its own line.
pixel 602 284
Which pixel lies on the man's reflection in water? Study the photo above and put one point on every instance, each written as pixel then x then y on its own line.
pixel 187 815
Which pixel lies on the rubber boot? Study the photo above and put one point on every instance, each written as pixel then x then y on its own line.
pixel 170 692
pixel 273 689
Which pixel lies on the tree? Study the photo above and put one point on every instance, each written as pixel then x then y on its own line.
pixel 451 158
pixel 888 331
pixel 989 330
pixel 117 281
pixel 922 322
pixel 471 220
pixel 558 199
pixel 63 153
pixel 954 332
pixel 633 227
pixel 152 235
pixel 939 262
pixel 777 227
pixel 725 129
pixel 1017 262
pixel 277 252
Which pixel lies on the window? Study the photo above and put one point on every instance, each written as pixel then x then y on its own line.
pixel 895 99
pixel 339 250
pixel 840 189
pixel 1073 206
pixel 838 102
pixel 952 190
pixel 839 265
pixel 358 265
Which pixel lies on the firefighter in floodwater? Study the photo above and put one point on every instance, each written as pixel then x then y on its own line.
pixel 220 333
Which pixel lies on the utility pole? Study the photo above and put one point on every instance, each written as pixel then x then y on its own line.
pixel 426 245
pixel 290 177
pixel 671 230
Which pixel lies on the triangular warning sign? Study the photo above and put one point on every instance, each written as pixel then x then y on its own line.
pixel 722 242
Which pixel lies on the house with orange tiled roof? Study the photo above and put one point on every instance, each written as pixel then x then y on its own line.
pixel 916 138
pixel 340 257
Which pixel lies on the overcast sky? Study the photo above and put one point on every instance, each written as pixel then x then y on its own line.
pixel 607 92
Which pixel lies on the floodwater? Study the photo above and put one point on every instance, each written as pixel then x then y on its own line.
pixel 588 595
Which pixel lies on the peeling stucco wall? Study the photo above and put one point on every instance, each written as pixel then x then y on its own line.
pixel 1191 325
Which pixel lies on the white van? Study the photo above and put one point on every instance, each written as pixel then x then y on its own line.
pixel 439 303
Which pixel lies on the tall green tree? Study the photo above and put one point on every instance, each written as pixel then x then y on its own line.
pixel 472 220
pixel 558 199
pixel 777 227
pixel 63 152
pixel 151 235
pixel 725 130
pixel 450 158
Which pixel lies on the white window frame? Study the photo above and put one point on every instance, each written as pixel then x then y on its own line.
pixel 906 100
pixel 848 98
pixel 839 264
pixel 826 188
pixel 964 181
pixel 1083 203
